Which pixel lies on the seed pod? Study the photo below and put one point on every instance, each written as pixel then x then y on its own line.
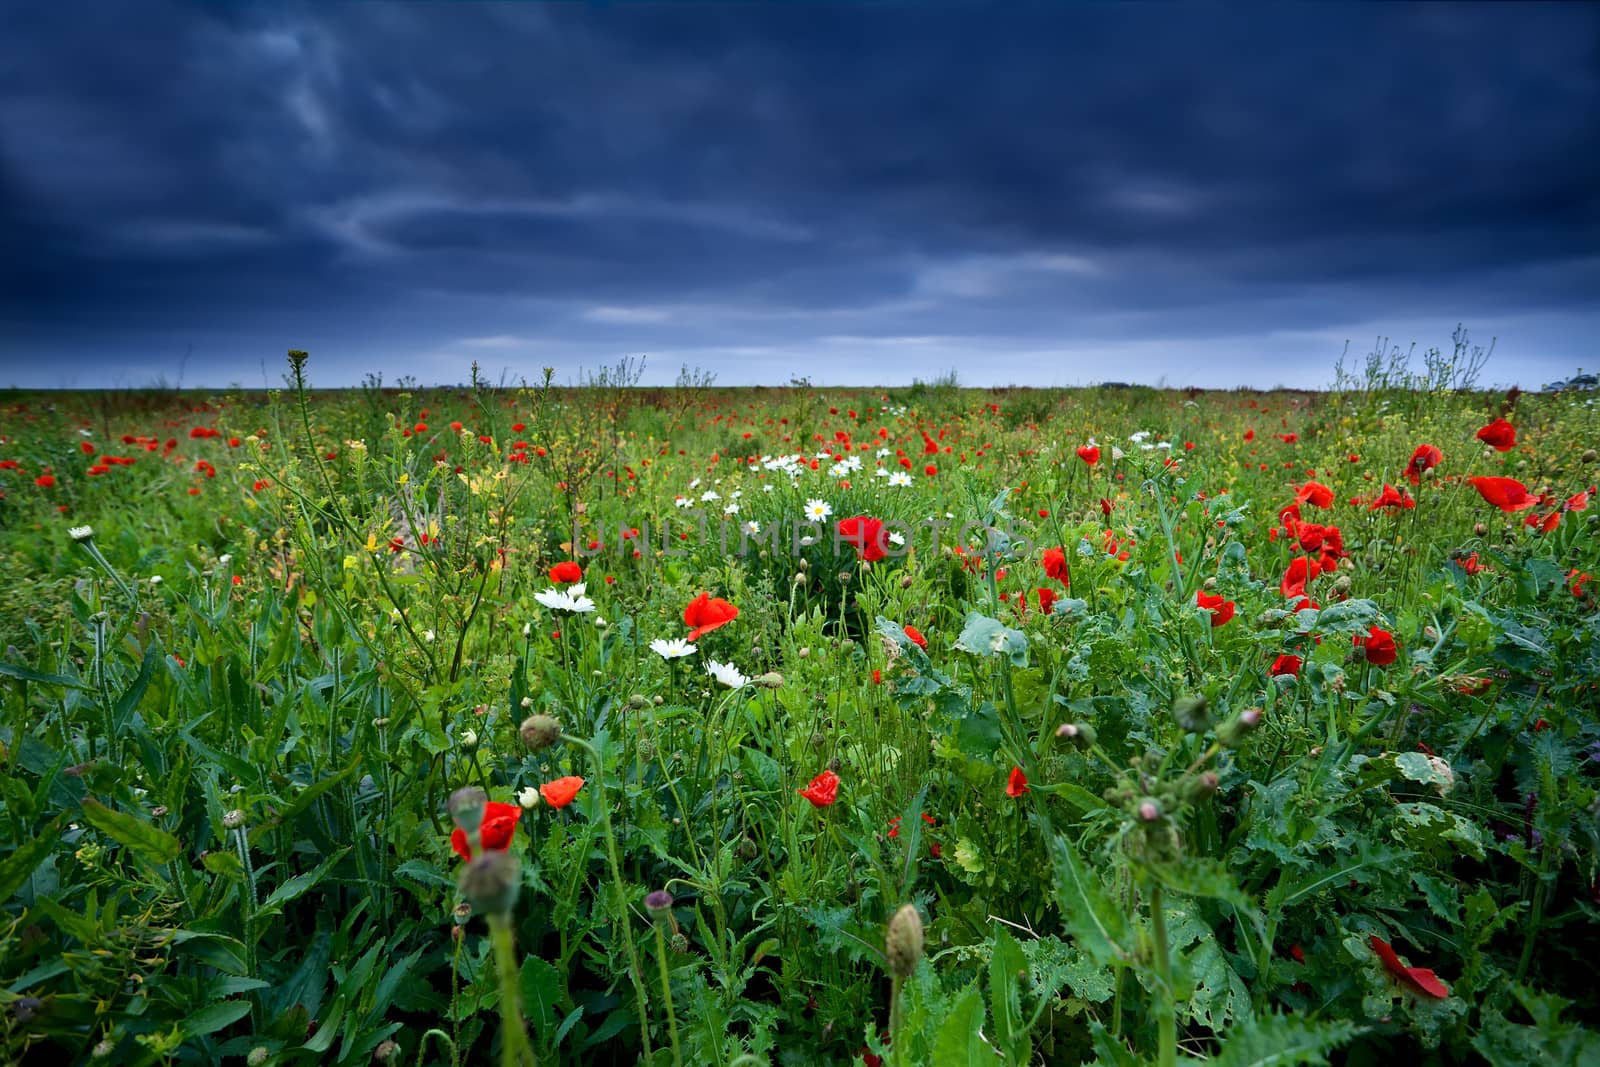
pixel 490 882
pixel 1192 713
pixel 904 943
pixel 540 731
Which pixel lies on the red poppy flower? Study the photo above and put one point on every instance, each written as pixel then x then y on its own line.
pixel 45 481
pixel 1507 494
pixel 916 636
pixel 1221 610
pixel 705 613
pixel 1392 498
pixel 1016 783
pixel 866 534
pixel 1286 664
pixel 1424 458
pixel 1301 570
pixel 566 571
pixel 1499 435
pixel 1316 494
pixel 559 793
pixel 1378 646
pixel 1578 501
pixel 494 832
pixel 823 790
pixel 1418 978
pixel 1055 565
pixel 1090 454
pixel 1047 600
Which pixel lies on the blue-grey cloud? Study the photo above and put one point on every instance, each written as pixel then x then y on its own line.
pixel 1049 194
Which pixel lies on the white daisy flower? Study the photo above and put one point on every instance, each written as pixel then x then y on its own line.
pixel 727 674
pixel 897 538
pixel 817 510
pixel 81 533
pixel 751 528
pixel 710 495
pixel 899 478
pixel 676 648
pixel 731 508
pixel 570 599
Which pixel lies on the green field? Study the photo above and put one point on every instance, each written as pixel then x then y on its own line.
pixel 1186 725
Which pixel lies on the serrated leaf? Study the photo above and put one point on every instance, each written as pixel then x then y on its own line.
pixel 146 839
pixel 541 993
pixel 1280 1041
pixel 959 1042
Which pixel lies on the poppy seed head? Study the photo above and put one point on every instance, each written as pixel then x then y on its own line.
pixel 540 731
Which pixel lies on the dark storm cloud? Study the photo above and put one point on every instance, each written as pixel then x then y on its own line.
pixel 862 193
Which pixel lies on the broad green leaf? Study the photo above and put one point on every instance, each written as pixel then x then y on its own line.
pixel 146 839
pixel 959 1042
pixel 18 867
pixel 214 1017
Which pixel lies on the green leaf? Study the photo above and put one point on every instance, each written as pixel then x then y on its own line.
pixel 146 839
pixel 300 884
pixel 310 793
pixel 541 993
pixel 1280 1041
pixel 959 1042
pixel 1094 920
pixel 984 636
pixel 26 674
pixel 17 868
pixel 1007 964
pixel 213 1017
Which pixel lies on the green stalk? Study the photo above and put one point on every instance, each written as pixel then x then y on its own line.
pixel 636 972
pixel 514 1048
pixel 1166 1008
pixel 666 993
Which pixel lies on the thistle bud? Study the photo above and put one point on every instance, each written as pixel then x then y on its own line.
pixel 904 945
pixel 1080 734
pixel 539 732
pixel 658 904
pixel 490 882
pixel 1201 786
pixel 1232 733
pixel 1193 714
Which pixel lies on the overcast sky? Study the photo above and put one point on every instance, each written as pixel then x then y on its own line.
pixel 1062 195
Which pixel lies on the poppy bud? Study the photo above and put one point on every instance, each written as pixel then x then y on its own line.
pixel 1192 713
pixel 748 849
pixel 1341 585
pixel 1480 528
pixel 466 807
pixel 904 944
pixel 258 1056
pixel 469 740
pixel 490 882
pixel 906 582
pixel 770 680
pixel 680 942
pixel 540 731
pixel 103 1048
pixel 386 1051
pixel 1149 810
pixel 1210 583
pixel 233 819
pixel 638 701
pixel 1589 456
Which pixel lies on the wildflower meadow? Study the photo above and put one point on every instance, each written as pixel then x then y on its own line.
pixel 533 724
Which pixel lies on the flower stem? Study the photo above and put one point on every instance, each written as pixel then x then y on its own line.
pixel 514 1048
pixel 666 993
pixel 1166 1009
pixel 636 972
